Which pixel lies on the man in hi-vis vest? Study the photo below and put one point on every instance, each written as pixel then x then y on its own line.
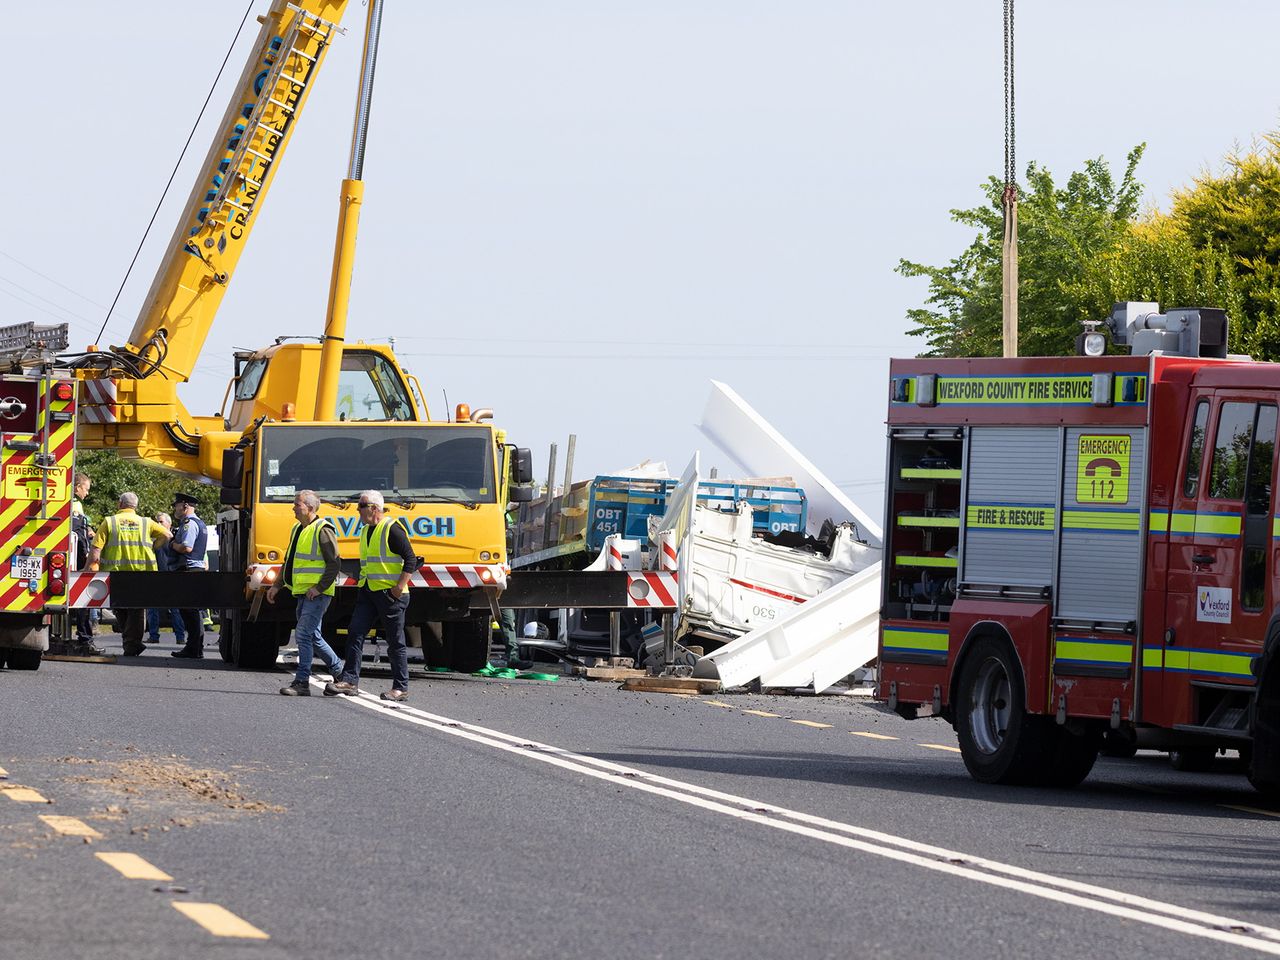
pixel 387 561
pixel 125 541
pixel 309 572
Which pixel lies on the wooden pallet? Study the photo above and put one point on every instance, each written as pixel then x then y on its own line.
pixel 606 673
pixel 108 658
pixel 647 684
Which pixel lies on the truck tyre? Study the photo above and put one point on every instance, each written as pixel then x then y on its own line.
pixel 225 630
pixel 1073 758
pixel 1192 759
pixel 466 644
pixel 23 659
pixel 999 741
pixel 253 645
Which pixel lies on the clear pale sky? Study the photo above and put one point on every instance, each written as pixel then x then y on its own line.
pixel 579 213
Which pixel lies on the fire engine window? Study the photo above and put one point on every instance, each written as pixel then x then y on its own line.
pixel 1195 453
pixel 1258 493
pixel 1231 451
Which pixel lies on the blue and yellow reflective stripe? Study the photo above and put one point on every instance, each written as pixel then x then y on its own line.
pixel 1158 521
pixel 1102 520
pixel 1275 527
pixel 1020 517
pixel 1212 662
pixel 1188 523
pixel 914 641
pixel 1108 653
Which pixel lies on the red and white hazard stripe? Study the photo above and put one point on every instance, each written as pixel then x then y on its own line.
pixel 462 576
pixel 653 589
pixel 98 401
pixel 88 589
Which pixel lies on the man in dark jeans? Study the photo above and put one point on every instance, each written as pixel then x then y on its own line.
pixel 188 545
pixel 387 561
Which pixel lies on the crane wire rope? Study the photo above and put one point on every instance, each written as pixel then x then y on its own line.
pixel 164 193
pixel 1009 201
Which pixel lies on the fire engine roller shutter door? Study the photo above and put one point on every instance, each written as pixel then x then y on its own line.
pixel 1103 476
pixel 1010 505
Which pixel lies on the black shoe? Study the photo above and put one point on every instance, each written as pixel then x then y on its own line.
pixel 341 687
pixel 394 695
pixel 186 654
pixel 151 640
pixel 299 688
pixel 515 663
pixel 133 651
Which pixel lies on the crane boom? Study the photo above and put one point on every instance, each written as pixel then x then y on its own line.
pixel 234 179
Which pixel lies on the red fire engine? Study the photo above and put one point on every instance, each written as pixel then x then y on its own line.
pixel 1083 550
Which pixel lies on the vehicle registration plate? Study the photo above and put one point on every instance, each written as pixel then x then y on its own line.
pixel 25 568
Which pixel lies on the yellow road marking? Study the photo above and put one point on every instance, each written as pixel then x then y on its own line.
pixel 219 921
pixel 939 746
pixel 3 773
pixel 1264 813
pixel 761 713
pixel 872 736
pixel 812 723
pixel 717 703
pixel 71 827
pixel 132 867
pixel 23 794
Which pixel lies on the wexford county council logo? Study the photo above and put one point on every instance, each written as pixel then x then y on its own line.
pixel 1213 604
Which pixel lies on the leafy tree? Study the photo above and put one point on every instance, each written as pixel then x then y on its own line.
pixel 1237 213
pixel 1061 231
pixel 113 475
pixel 1153 259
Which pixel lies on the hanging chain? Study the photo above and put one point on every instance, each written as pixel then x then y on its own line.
pixel 1010 138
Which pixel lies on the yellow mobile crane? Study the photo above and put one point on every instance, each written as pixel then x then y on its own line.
pixel 325 416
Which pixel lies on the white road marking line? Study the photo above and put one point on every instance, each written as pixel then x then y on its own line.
pixel 1264 813
pixel 762 713
pixel 4 774
pixel 1087 896
pixel 219 921
pixel 717 703
pixel 813 723
pixel 71 827
pixel 132 867
pixel 872 736
pixel 940 746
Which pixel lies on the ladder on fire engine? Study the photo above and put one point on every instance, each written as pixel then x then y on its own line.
pixel 296 56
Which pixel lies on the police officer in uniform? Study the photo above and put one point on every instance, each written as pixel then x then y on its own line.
pixel 190 537
pixel 124 541
pixel 387 561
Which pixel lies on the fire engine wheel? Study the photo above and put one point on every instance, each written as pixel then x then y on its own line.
pixel 999 741
pixel 466 644
pixel 23 659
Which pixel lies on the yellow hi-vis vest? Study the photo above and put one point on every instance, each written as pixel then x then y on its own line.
pixel 308 561
pixel 379 567
pixel 128 547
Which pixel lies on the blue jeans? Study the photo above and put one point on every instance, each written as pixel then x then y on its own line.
pixel 378 606
pixel 310 640
pixel 175 617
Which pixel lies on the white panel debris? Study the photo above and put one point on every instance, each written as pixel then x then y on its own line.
pixel 759 450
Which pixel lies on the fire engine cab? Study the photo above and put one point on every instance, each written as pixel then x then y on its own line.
pixel 1083 549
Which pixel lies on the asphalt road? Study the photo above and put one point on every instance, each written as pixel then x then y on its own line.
pixel 497 819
